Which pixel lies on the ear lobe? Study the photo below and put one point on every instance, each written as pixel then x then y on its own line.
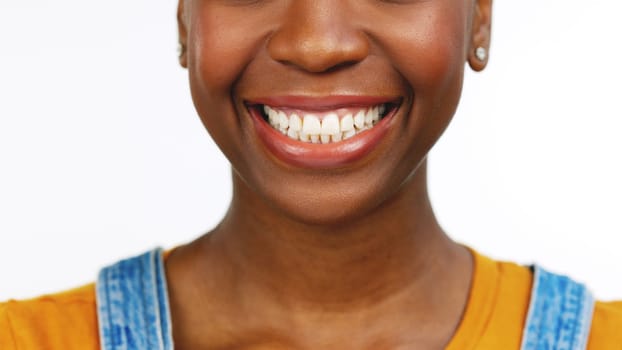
pixel 480 35
pixel 183 35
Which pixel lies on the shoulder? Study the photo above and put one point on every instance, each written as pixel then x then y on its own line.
pixel 510 303
pixel 606 326
pixel 66 320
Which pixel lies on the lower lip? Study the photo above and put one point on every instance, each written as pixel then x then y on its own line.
pixel 312 155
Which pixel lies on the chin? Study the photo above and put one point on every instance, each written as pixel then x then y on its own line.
pixel 335 205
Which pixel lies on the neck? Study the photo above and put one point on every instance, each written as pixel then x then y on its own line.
pixel 397 248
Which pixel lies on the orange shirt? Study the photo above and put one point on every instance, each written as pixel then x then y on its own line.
pixel 493 320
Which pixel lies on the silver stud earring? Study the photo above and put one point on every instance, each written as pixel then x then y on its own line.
pixel 481 54
pixel 181 49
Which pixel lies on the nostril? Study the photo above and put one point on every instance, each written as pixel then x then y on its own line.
pixel 340 66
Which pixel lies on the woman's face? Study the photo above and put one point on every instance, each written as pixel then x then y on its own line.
pixel 326 108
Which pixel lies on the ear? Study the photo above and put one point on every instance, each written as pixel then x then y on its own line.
pixel 480 35
pixel 183 34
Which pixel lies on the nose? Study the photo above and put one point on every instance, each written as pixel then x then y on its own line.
pixel 318 36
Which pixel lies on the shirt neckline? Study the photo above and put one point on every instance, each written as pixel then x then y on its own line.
pixel 481 302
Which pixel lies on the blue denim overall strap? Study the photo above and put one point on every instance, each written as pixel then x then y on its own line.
pixel 560 313
pixel 132 305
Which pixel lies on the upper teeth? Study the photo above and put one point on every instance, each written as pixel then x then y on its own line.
pixel 332 126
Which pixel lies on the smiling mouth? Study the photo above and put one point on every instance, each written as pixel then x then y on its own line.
pixel 327 125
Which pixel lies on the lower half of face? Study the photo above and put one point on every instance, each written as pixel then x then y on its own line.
pixel 325 109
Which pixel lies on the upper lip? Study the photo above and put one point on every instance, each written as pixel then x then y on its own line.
pixel 321 103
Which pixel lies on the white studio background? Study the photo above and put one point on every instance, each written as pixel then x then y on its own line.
pixel 102 155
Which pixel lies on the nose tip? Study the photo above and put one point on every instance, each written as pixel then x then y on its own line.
pixel 317 41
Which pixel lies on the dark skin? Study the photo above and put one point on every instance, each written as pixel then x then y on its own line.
pixel 310 258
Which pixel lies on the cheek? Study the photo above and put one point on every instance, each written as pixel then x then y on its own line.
pixel 430 52
pixel 219 51
pixel 218 54
pixel 432 61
